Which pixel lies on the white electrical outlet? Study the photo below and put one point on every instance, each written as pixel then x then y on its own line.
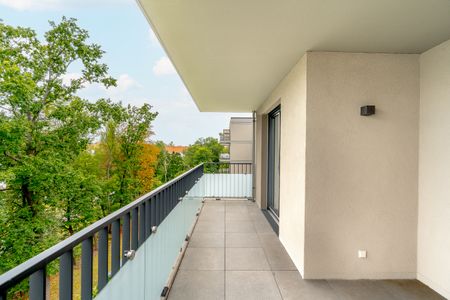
pixel 362 254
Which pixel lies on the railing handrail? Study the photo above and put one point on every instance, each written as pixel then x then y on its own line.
pixel 25 269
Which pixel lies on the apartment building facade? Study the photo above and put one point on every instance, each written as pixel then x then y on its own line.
pixel 238 139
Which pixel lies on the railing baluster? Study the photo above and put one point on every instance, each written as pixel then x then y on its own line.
pixel 102 258
pixel 125 236
pixel 153 212
pixel 3 294
pixel 38 285
pixel 171 197
pixel 115 247
pixel 141 224
pixel 166 205
pixel 134 228
pixel 86 269
pixel 148 214
pixel 66 276
pixel 158 208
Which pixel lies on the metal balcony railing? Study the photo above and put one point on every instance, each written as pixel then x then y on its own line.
pixel 138 246
pixel 227 180
pixel 130 226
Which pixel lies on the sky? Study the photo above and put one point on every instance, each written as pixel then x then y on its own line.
pixel 135 58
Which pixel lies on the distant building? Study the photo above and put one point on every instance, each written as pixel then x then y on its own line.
pixel 176 149
pixel 238 139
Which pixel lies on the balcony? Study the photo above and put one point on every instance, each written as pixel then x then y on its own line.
pixel 225 136
pixel 196 237
pixel 224 157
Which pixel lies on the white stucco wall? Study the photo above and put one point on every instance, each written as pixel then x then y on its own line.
pixel 291 93
pixel 361 172
pixel 241 140
pixel 347 182
pixel 433 267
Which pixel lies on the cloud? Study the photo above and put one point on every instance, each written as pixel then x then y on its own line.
pixel 125 82
pixel 68 77
pixel 164 67
pixel 46 5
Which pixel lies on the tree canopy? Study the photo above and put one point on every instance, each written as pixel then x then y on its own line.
pixel 65 161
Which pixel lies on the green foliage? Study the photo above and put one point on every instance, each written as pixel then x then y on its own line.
pixel 120 153
pixel 204 150
pixel 66 161
pixel 169 165
pixel 44 127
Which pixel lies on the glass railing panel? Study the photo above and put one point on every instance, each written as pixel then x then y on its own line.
pixel 146 275
pixel 228 185
pixel 162 249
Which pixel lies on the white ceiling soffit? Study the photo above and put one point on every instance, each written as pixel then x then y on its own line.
pixel 232 53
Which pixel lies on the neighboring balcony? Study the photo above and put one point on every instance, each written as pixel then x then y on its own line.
pixel 224 157
pixel 225 136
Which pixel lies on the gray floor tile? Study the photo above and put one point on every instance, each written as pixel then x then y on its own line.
pixel 207 239
pixel 236 209
pixel 256 262
pixel 239 226
pixel 212 216
pixel 203 259
pixel 250 259
pixel 213 209
pixel 359 289
pixel 277 256
pixel 242 240
pixel 262 226
pixel 257 217
pixel 237 216
pixel 210 226
pixel 409 289
pixel 293 287
pixel 249 285
pixel 198 285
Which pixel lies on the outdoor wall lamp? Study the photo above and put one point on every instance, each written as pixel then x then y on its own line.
pixel 367 110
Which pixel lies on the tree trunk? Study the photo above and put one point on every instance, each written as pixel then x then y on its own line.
pixel 27 198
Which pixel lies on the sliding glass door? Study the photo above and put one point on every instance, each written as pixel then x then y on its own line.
pixel 273 184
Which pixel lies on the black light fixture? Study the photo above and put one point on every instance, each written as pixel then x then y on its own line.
pixel 367 110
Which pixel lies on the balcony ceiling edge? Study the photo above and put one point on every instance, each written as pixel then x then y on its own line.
pixel 232 54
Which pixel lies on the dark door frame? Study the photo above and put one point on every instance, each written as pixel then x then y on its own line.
pixel 271 159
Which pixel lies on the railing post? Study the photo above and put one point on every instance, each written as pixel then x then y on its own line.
pixel 134 228
pixel 125 236
pixel 141 224
pixel 86 269
pixel 66 276
pixel 148 215
pixel 115 247
pixel 38 285
pixel 153 212
pixel 102 258
pixel 3 294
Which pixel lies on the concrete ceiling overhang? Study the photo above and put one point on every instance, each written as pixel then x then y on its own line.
pixel 232 53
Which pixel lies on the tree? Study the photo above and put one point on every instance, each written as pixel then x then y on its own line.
pixel 148 164
pixel 44 127
pixel 120 150
pixel 204 150
pixel 170 165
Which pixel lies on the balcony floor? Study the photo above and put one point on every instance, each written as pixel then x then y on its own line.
pixel 234 254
